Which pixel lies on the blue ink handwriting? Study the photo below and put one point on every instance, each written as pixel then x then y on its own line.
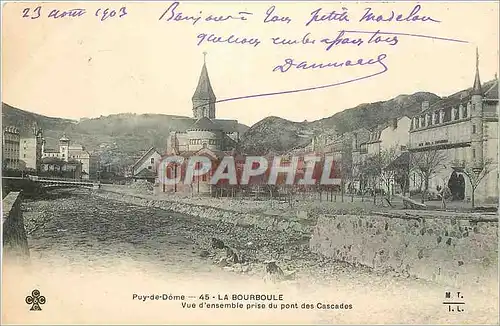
pixel 36 12
pixel 272 18
pixel 101 13
pixel 104 14
pixel 341 40
pixel 379 60
pixel 411 35
pixel 304 65
pixel 283 41
pixel 331 16
pixel 178 16
pixel 369 16
pixel 204 37
pixel 66 13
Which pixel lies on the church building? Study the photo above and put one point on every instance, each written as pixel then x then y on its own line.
pixel 206 131
pixel 207 136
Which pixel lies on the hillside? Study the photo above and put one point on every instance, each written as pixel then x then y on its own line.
pixel 119 139
pixel 281 135
pixel 275 134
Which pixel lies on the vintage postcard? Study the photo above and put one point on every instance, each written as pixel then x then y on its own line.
pixel 250 162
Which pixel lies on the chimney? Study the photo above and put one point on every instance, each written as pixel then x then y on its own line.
pixel 425 105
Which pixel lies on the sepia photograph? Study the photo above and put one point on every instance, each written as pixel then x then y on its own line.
pixel 250 162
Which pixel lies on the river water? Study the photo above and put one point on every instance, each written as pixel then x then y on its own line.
pixel 95 259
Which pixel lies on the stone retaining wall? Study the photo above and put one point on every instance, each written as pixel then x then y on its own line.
pixel 448 251
pixel 15 243
pixel 297 223
pixel 445 250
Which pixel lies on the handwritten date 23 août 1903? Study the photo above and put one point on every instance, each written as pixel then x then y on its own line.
pixel 102 13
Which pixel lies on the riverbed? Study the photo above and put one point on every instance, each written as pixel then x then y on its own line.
pixel 89 256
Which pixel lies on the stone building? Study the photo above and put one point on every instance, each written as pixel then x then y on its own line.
pixel 207 136
pixel 31 148
pixel 74 153
pixel 90 162
pixel 392 135
pixel 464 128
pixel 10 148
pixel 206 131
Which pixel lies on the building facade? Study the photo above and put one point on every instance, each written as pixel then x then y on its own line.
pixel 31 148
pixel 146 166
pixel 464 129
pixel 10 148
pixel 74 153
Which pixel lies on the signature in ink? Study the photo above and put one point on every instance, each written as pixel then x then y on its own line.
pixel 347 63
pixel 304 65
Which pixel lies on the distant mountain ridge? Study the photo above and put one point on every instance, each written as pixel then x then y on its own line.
pixel 281 135
pixel 117 138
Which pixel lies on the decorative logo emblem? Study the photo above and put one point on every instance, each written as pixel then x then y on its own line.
pixel 35 300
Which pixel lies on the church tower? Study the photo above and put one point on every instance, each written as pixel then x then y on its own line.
pixel 204 96
pixel 477 118
pixel 64 148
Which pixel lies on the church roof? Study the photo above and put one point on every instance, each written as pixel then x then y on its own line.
pixel 204 124
pixel 227 125
pixel 204 89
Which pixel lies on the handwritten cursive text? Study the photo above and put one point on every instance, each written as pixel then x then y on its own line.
pixel 232 39
pixel 272 18
pixel 304 65
pixel 369 16
pixel 330 16
pixel 176 16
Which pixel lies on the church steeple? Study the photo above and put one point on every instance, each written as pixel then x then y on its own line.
pixel 204 96
pixel 476 89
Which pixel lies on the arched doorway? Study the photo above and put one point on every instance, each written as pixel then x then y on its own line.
pixel 456 184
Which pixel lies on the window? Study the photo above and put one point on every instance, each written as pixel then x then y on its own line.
pixel 473 129
pixel 473 153
pixel 24 155
pixel 152 160
pixel 149 167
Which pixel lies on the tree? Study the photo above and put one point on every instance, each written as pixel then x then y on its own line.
pixel 375 169
pixel 427 164
pixel 370 170
pixel 476 172
pixel 387 175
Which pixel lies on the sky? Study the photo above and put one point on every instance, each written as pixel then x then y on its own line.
pixel 73 67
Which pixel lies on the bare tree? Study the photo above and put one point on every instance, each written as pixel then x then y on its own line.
pixel 386 157
pixel 427 164
pixel 370 171
pixel 476 172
